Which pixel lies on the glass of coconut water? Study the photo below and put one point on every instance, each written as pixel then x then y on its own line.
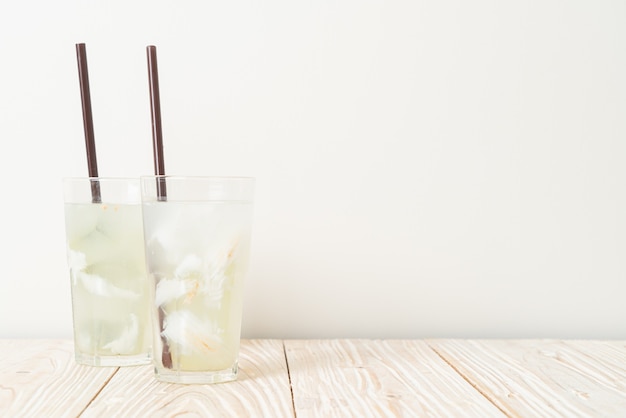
pixel 106 259
pixel 197 238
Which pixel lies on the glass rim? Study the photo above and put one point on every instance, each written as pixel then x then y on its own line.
pixel 153 176
pixel 176 188
pixel 107 178
pixel 195 177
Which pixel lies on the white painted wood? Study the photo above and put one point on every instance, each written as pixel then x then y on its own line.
pixel 378 378
pixel 360 378
pixel 39 378
pixel 261 390
pixel 544 378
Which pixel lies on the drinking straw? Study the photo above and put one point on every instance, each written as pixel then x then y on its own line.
pixel 159 166
pixel 157 134
pixel 92 165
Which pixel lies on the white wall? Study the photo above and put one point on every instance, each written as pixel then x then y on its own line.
pixel 424 169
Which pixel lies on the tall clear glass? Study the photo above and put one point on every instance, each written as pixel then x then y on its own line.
pixel 106 259
pixel 197 237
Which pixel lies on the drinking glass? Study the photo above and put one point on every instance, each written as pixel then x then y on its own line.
pixel 106 260
pixel 197 239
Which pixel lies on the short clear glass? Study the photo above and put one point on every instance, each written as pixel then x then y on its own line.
pixel 106 260
pixel 197 237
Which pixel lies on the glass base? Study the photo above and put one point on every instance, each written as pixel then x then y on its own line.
pixel 112 361
pixel 190 378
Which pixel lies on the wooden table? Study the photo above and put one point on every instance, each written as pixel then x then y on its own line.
pixel 333 378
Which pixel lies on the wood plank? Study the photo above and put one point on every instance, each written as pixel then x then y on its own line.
pixel 544 378
pixel 261 389
pixel 378 378
pixel 39 378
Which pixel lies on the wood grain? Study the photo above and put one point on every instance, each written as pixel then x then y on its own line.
pixel 261 389
pixel 544 378
pixel 39 378
pixel 378 378
pixel 360 378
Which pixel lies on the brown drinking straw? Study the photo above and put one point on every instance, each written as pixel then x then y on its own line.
pixel 159 166
pixel 92 164
pixel 157 134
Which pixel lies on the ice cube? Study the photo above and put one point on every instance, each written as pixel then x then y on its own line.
pixel 77 261
pixel 168 290
pixel 97 285
pixel 127 340
pixel 220 261
pixel 190 267
pixel 190 333
pixel 186 282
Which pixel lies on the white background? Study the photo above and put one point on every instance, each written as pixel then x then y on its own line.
pixel 424 169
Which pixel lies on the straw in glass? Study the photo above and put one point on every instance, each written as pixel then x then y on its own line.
pixel 159 167
pixel 92 164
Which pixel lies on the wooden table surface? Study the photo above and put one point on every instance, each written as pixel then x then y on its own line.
pixel 333 378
